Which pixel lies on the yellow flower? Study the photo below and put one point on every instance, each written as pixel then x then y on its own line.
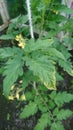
pixel 11 97
pixel 18 37
pixel 21 44
pixel 55 11
pixel 23 97
pixel 17 96
pixel 21 41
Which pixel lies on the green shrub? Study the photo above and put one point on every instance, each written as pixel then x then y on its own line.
pixel 34 63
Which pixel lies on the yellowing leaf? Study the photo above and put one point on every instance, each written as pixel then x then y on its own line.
pixel 12 88
pixel 52 84
pixel 50 87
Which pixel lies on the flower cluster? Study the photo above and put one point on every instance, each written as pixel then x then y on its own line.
pixel 21 41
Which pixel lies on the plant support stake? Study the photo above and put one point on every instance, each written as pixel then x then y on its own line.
pixel 31 27
pixel 29 17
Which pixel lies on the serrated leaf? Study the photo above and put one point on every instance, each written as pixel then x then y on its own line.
pixel 8 52
pixel 7 37
pixel 51 105
pixel 16 24
pixel 59 77
pixel 30 95
pixel 41 106
pixel 1 70
pixel 53 85
pixel 57 126
pixel 44 69
pixel 64 50
pixel 64 114
pixel 29 110
pixel 13 69
pixel 53 95
pixel 20 19
pixel 39 44
pixel 56 53
pixel 61 98
pixel 66 10
pixel 55 111
pixel 27 78
pixel 63 9
pixel 67 66
pixel 43 122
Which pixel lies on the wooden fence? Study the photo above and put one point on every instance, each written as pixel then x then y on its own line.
pixel 4 14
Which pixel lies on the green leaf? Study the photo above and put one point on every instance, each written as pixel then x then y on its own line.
pixel 64 114
pixel 7 37
pixel 29 110
pixel 6 52
pixel 61 48
pixel 59 77
pixel 12 70
pixel 57 126
pixel 41 105
pixel 30 95
pixel 53 25
pixel 21 19
pixel 39 44
pixel 56 111
pixel 17 23
pixel 51 105
pixel 53 95
pixel 44 69
pixel 61 98
pixel 66 10
pixel 27 78
pixel 10 52
pixel 63 9
pixel 43 122
pixel 1 70
pixel 56 53
pixel 67 66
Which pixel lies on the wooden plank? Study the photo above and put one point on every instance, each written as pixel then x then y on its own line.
pixel 3 26
pixel 3 11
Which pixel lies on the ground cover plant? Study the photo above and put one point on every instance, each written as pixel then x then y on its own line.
pixel 31 66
